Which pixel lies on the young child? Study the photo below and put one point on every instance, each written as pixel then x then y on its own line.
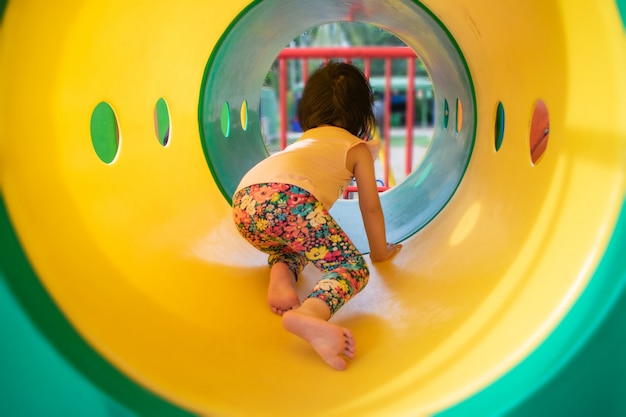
pixel 281 207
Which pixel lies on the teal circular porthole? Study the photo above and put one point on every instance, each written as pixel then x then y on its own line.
pixel 225 120
pixel 446 113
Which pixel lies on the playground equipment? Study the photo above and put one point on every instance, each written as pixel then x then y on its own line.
pixel 382 86
pixel 126 290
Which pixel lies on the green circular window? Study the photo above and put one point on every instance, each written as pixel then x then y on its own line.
pixel 162 123
pixel 105 133
pixel 225 120
pixel 499 126
pixel 232 150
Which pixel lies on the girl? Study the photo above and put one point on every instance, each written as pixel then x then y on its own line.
pixel 281 207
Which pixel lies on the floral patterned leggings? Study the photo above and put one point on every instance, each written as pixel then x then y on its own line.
pixel 293 227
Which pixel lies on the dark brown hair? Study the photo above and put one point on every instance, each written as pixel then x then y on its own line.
pixel 338 94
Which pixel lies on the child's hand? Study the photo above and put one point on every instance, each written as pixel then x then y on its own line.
pixel 392 249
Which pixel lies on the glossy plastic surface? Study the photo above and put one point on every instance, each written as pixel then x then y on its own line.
pixel 138 263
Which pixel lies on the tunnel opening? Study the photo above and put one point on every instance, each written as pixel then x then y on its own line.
pixel 402 88
pixel 254 40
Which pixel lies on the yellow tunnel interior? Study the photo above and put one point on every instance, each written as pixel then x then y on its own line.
pixel 142 257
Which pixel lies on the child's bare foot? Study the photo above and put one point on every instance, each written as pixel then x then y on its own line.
pixel 281 293
pixel 330 341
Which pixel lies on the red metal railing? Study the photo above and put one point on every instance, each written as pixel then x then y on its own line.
pixel 348 54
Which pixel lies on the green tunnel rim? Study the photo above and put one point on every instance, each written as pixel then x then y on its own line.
pixel 63 338
pixel 621 8
pixel 3 6
pixel 579 336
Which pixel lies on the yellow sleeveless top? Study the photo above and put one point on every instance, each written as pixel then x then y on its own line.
pixel 316 162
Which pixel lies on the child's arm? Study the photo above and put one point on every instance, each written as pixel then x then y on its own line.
pixel 374 146
pixel 360 159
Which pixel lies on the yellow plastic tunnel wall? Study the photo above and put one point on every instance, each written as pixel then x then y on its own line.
pixel 126 289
